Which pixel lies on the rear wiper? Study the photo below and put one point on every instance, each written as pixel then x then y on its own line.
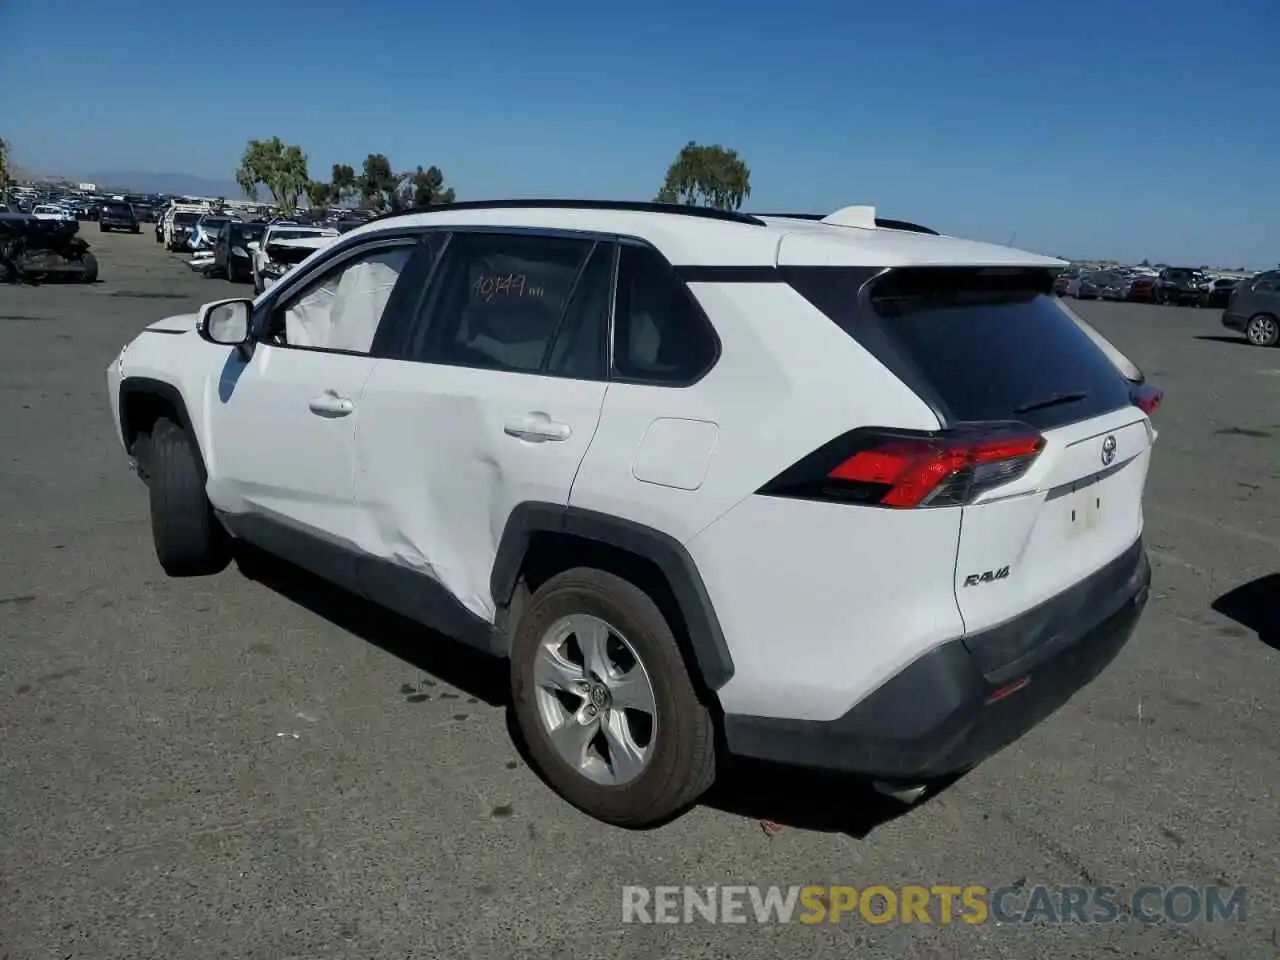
pixel 1052 400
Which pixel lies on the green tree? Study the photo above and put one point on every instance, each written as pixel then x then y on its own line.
pixel 379 186
pixel 427 187
pixel 319 194
pixel 278 166
pixel 708 176
pixel 342 182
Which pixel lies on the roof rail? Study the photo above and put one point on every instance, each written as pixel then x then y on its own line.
pixel 881 222
pixel 636 206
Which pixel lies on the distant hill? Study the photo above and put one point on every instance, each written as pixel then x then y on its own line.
pixel 174 183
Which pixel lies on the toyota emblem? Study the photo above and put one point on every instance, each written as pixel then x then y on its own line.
pixel 1108 451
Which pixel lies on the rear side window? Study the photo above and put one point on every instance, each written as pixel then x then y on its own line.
pixel 979 345
pixel 661 335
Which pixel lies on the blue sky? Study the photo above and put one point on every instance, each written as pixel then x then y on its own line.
pixel 1126 130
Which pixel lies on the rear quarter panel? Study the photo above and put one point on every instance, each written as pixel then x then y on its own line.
pixel 787 380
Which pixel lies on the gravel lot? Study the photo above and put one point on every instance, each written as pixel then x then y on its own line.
pixel 254 767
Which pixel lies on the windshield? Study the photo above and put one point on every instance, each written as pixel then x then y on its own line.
pixel 186 219
pixel 213 224
pixel 1179 273
pixel 245 232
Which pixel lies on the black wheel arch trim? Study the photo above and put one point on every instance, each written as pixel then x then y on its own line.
pixel 131 386
pixel 706 638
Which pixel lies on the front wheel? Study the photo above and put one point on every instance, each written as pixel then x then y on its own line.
pixel 103 228
pixel 1263 330
pixel 188 538
pixel 90 271
pixel 605 703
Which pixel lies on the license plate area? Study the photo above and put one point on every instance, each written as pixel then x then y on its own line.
pixel 1084 508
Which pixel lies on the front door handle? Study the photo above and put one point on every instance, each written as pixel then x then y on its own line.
pixel 329 404
pixel 537 428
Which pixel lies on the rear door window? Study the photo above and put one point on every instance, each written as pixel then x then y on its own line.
pixel 978 345
pixel 501 301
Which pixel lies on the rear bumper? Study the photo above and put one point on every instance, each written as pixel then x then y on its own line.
pixel 1234 321
pixel 937 716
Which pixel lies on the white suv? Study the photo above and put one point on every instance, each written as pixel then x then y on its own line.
pixel 842 493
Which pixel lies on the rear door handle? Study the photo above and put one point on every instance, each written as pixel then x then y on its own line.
pixel 537 428
pixel 329 404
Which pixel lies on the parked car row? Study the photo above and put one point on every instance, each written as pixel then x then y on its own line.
pixel 50 203
pixel 1176 286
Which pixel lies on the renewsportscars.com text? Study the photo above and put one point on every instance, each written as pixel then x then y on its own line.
pixel 936 904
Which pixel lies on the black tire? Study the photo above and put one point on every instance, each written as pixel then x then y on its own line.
pixel 103 228
pixel 683 765
pixel 136 229
pixel 188 538
pixel 90 274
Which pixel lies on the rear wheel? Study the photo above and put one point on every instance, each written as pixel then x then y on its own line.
pixel 103 228
pixel 605 703
pixel 1263 330
pixel 188 538
pixel 90 272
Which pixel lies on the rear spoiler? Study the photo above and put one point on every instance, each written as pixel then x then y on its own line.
pixel 882 223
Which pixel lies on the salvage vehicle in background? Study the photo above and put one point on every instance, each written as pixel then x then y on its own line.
pixel 51 211
pixel 32 249
pixel 179 221
pixel 117 215
pixel 232 250
pixel 1090 285
pixel 282 247
pixel 1114 286
pixel 1254 309
pixel 1180 286
pixel 1142 289
pixel 1218 293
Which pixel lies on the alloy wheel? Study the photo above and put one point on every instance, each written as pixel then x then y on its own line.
pixel 595 699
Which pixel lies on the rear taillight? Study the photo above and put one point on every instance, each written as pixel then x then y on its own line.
pixel 905 470
pixel 1147 398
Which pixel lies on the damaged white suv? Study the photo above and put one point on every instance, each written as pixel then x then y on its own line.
pixel 836 492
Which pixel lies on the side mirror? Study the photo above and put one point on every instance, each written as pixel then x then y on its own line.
pixel 254 245
pixel 226 322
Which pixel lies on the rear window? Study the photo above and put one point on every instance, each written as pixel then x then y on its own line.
pixel 120 209
pixel 977 344
pixel 186 219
